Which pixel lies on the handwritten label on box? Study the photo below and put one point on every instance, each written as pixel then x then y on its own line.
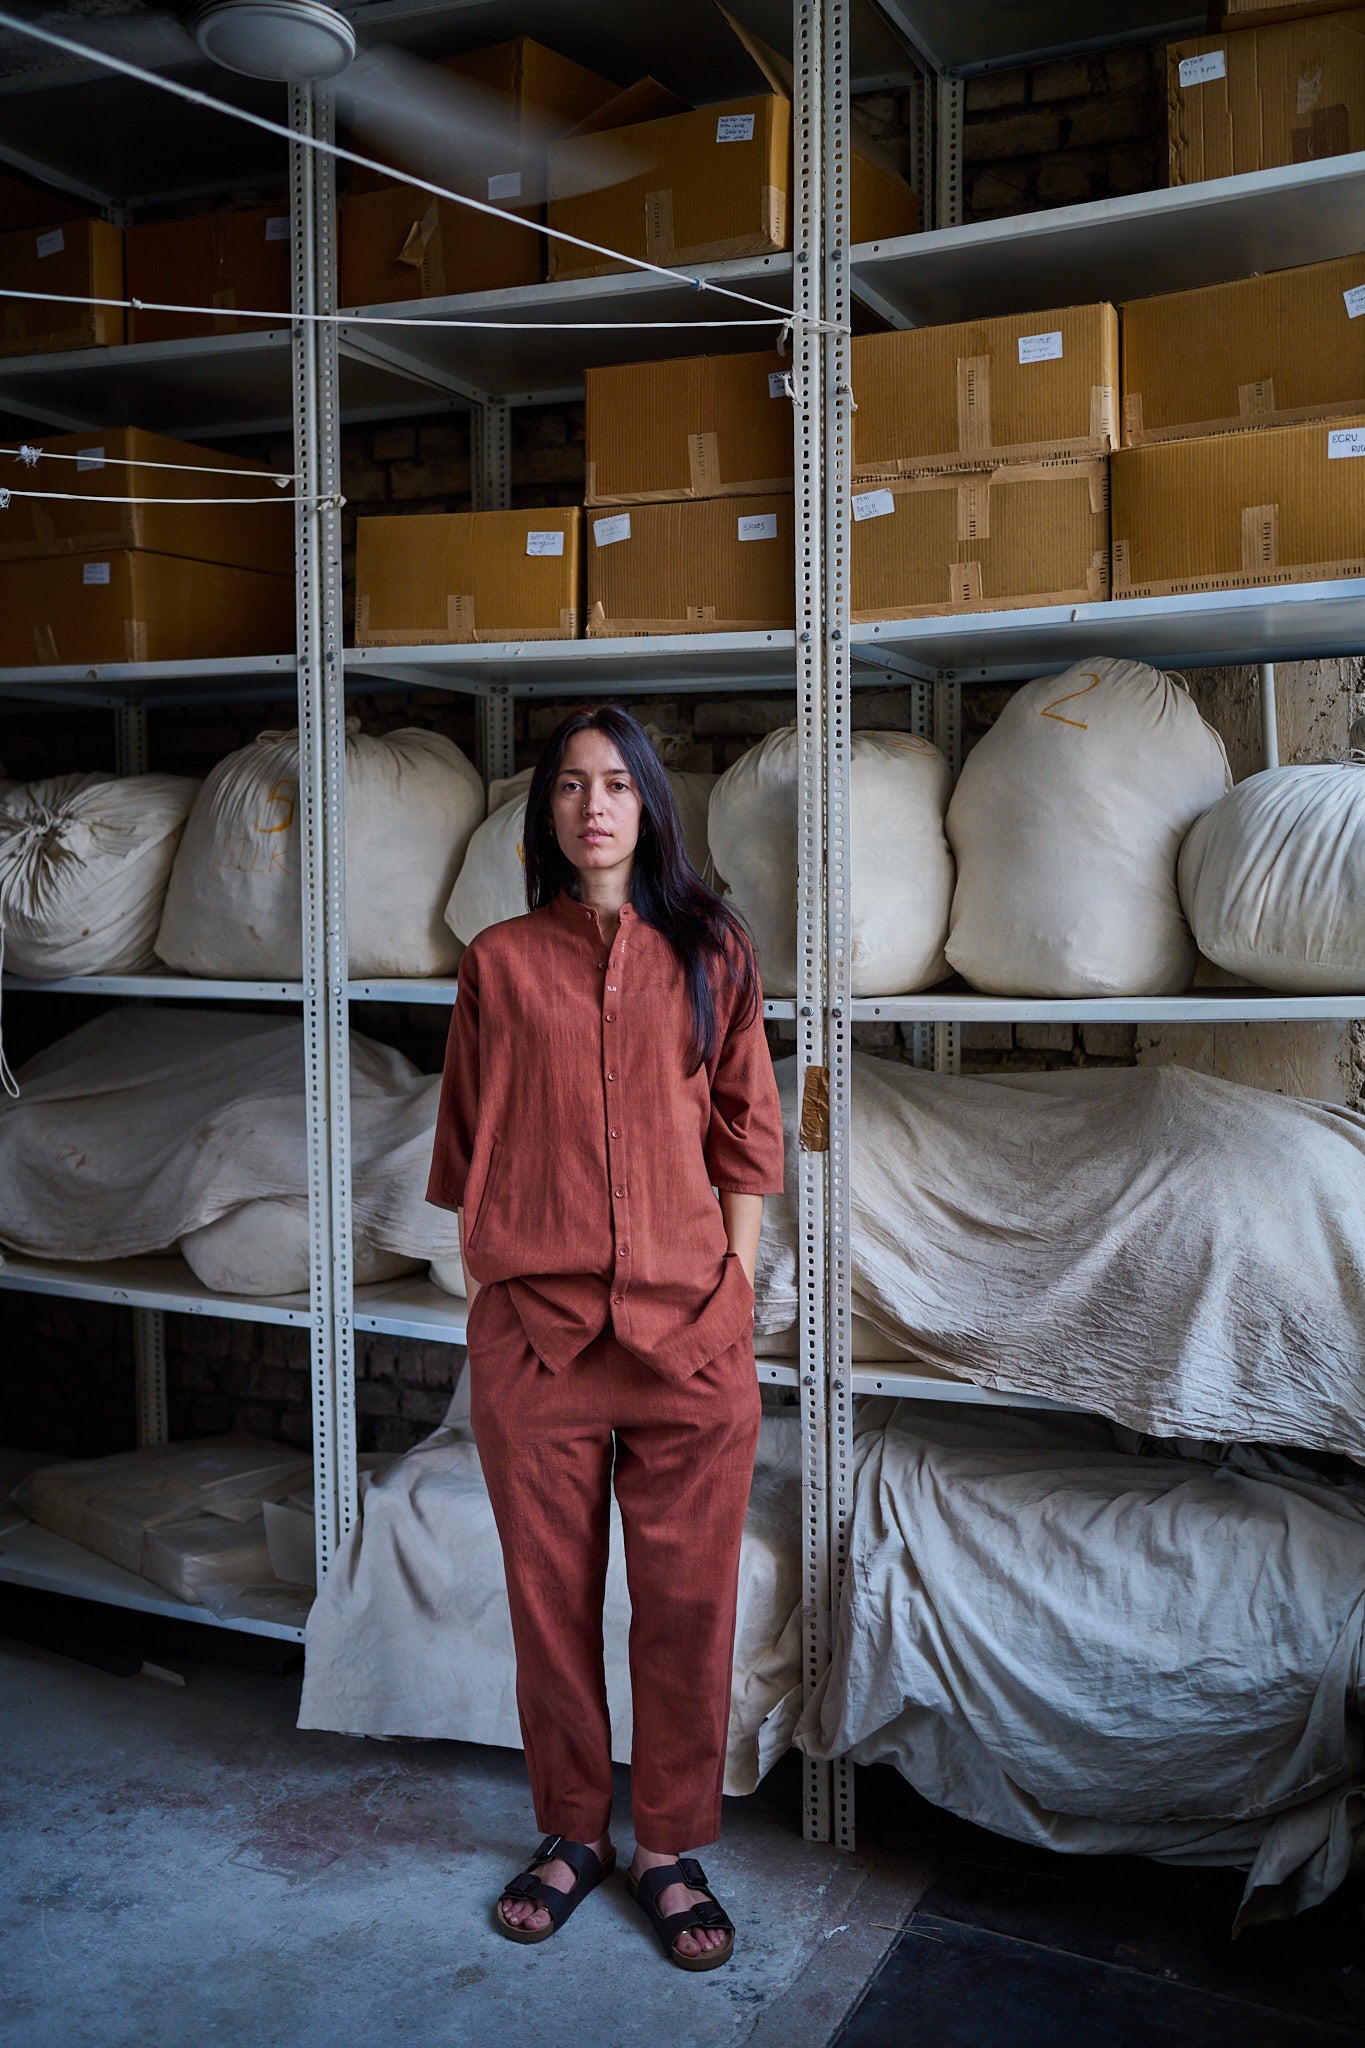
pixel 735 128
pixel 1040 348
pixel 605 531
pixel 873 504
pixel 94 572
pixel 758 526
pixel 1199 70
pixel 540 542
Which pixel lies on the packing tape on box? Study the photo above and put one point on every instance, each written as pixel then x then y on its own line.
pixel 904 470
pixel 1260 538
pixel 1297 572
pixel 703 463
pixel 1256 401
pixel 698 619
pixel 659 226
pixel 967 576
pixel 751 487
pixel 45 644
pixel 1050 468
pixel 973 404
pixel 460 628
pixel 1327 133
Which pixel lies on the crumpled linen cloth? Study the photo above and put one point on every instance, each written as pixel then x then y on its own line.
pixel 410 1633
pixel 1107 1652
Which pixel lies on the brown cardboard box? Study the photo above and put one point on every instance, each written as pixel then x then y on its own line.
pixel 485 116
pixel 1263 97
pixel 701 427
pixel 704 186
pixel 82 257
pixel 986 391
pixel 1262 351
pixel 1024 533
pixel 23 205
pixel 131 606
pixel 1280 505
pixel 1256 13
pixel 222 259
pixel 442 579
pixel 251 536
pixel 709 565
pixel 400 243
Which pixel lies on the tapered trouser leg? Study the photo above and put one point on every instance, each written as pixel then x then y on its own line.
pixel 684 1457
pixel 547 1464
pixel 683 1471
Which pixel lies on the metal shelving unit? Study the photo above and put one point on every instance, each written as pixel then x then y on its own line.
pixel 317 378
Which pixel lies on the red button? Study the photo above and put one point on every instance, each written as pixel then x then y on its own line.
pixel 618 1192
pixel 623 1251
pixel 610 1017
pixel 612 986
pixel 611 1077
pixel 618 1299
pixel 616 1134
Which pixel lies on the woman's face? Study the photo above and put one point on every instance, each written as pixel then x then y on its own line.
pixel 595 805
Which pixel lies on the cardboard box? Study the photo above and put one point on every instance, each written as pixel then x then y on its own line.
pixel 711 565
pixel 115 464
pixel 1257 13
pixel 132 606
pixel 1025 533
pixel 1264 97
pixel 985 391
pixel 399 243
pixel 23 205
pixel 1280 505
pixel 83 257
pixel 703 186
pixel 1262 351
pixel 702 427
pixel 481 125
pixel 224 259
pixel 108 1505
pixel 445 579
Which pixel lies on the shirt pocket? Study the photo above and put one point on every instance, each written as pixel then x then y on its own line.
pixel 486 1198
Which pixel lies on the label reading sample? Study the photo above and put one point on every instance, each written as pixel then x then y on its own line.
pixel 873 504
pixel 277 227
pixel 1355 301
pixel 605 531
pixel 1040 348
pixel 541 542
pixel 1199 70
pixel 735 128
pixel 94 572
pixel 89 458
pixel 505 185
pixel 1345 441
pixel 780 384
pixel 52 243
pixel 758 526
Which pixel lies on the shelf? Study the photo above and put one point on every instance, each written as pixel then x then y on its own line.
pixel 223 679
pixel 902 1381
pixel 160 1283
pixel 184 987
pixel 411 1307
pixel 218 384
pixel 643 666
pixel 991 34
pixel 1198 1006
pixel 1282 622
pixel 1119 249
pixel 34 1557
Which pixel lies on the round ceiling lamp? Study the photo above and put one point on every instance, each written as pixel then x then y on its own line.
pixel 296 41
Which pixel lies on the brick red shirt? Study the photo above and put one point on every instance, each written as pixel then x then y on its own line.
pixel 584 1153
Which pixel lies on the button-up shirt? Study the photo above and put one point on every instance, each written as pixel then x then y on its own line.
pixel 584 1153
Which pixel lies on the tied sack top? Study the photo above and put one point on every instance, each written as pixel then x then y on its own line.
pixel 583 1151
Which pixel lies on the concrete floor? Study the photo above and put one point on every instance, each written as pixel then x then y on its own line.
pixel 184 1866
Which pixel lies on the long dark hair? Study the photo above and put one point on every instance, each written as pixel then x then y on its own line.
pixel 665 889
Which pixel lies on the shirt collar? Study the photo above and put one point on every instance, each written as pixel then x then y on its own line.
pixel 572 912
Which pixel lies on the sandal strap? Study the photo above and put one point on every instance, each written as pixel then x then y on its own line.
pixel 708 1912
pixel 582 1861
pixel 525 1886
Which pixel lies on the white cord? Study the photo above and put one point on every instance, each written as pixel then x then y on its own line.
pixel 778 317
pixel 368 163
pixel 31 457
pixel 333 498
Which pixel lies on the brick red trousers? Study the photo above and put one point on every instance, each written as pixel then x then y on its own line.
pixel 681 1457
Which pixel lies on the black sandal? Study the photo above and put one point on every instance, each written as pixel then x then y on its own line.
pixel 526 1885
pixel 710 1914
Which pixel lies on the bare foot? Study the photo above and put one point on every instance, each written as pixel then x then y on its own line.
pixel 560 1878
pixel 676 1898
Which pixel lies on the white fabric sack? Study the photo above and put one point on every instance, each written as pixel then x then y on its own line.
pixel 410 1633
pixel 1066 823
pixel 262 1248
pixel 1182 1254
pixel 84 864
pixel 1106 1653
pixel 901 867
pixel 491 884
pixel 144 1126
pixel 233 906
pixel 1272 880
pixel 448 1274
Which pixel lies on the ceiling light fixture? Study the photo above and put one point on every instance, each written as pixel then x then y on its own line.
pixel 296 41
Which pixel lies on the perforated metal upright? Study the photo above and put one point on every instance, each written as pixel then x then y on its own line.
pixel 811 652
pixel 322 801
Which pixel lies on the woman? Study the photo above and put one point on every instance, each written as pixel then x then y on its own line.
pixel 606 1077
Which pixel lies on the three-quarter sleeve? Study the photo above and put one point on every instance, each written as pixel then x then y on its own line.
pixel 458 1111
pixel 744 1138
